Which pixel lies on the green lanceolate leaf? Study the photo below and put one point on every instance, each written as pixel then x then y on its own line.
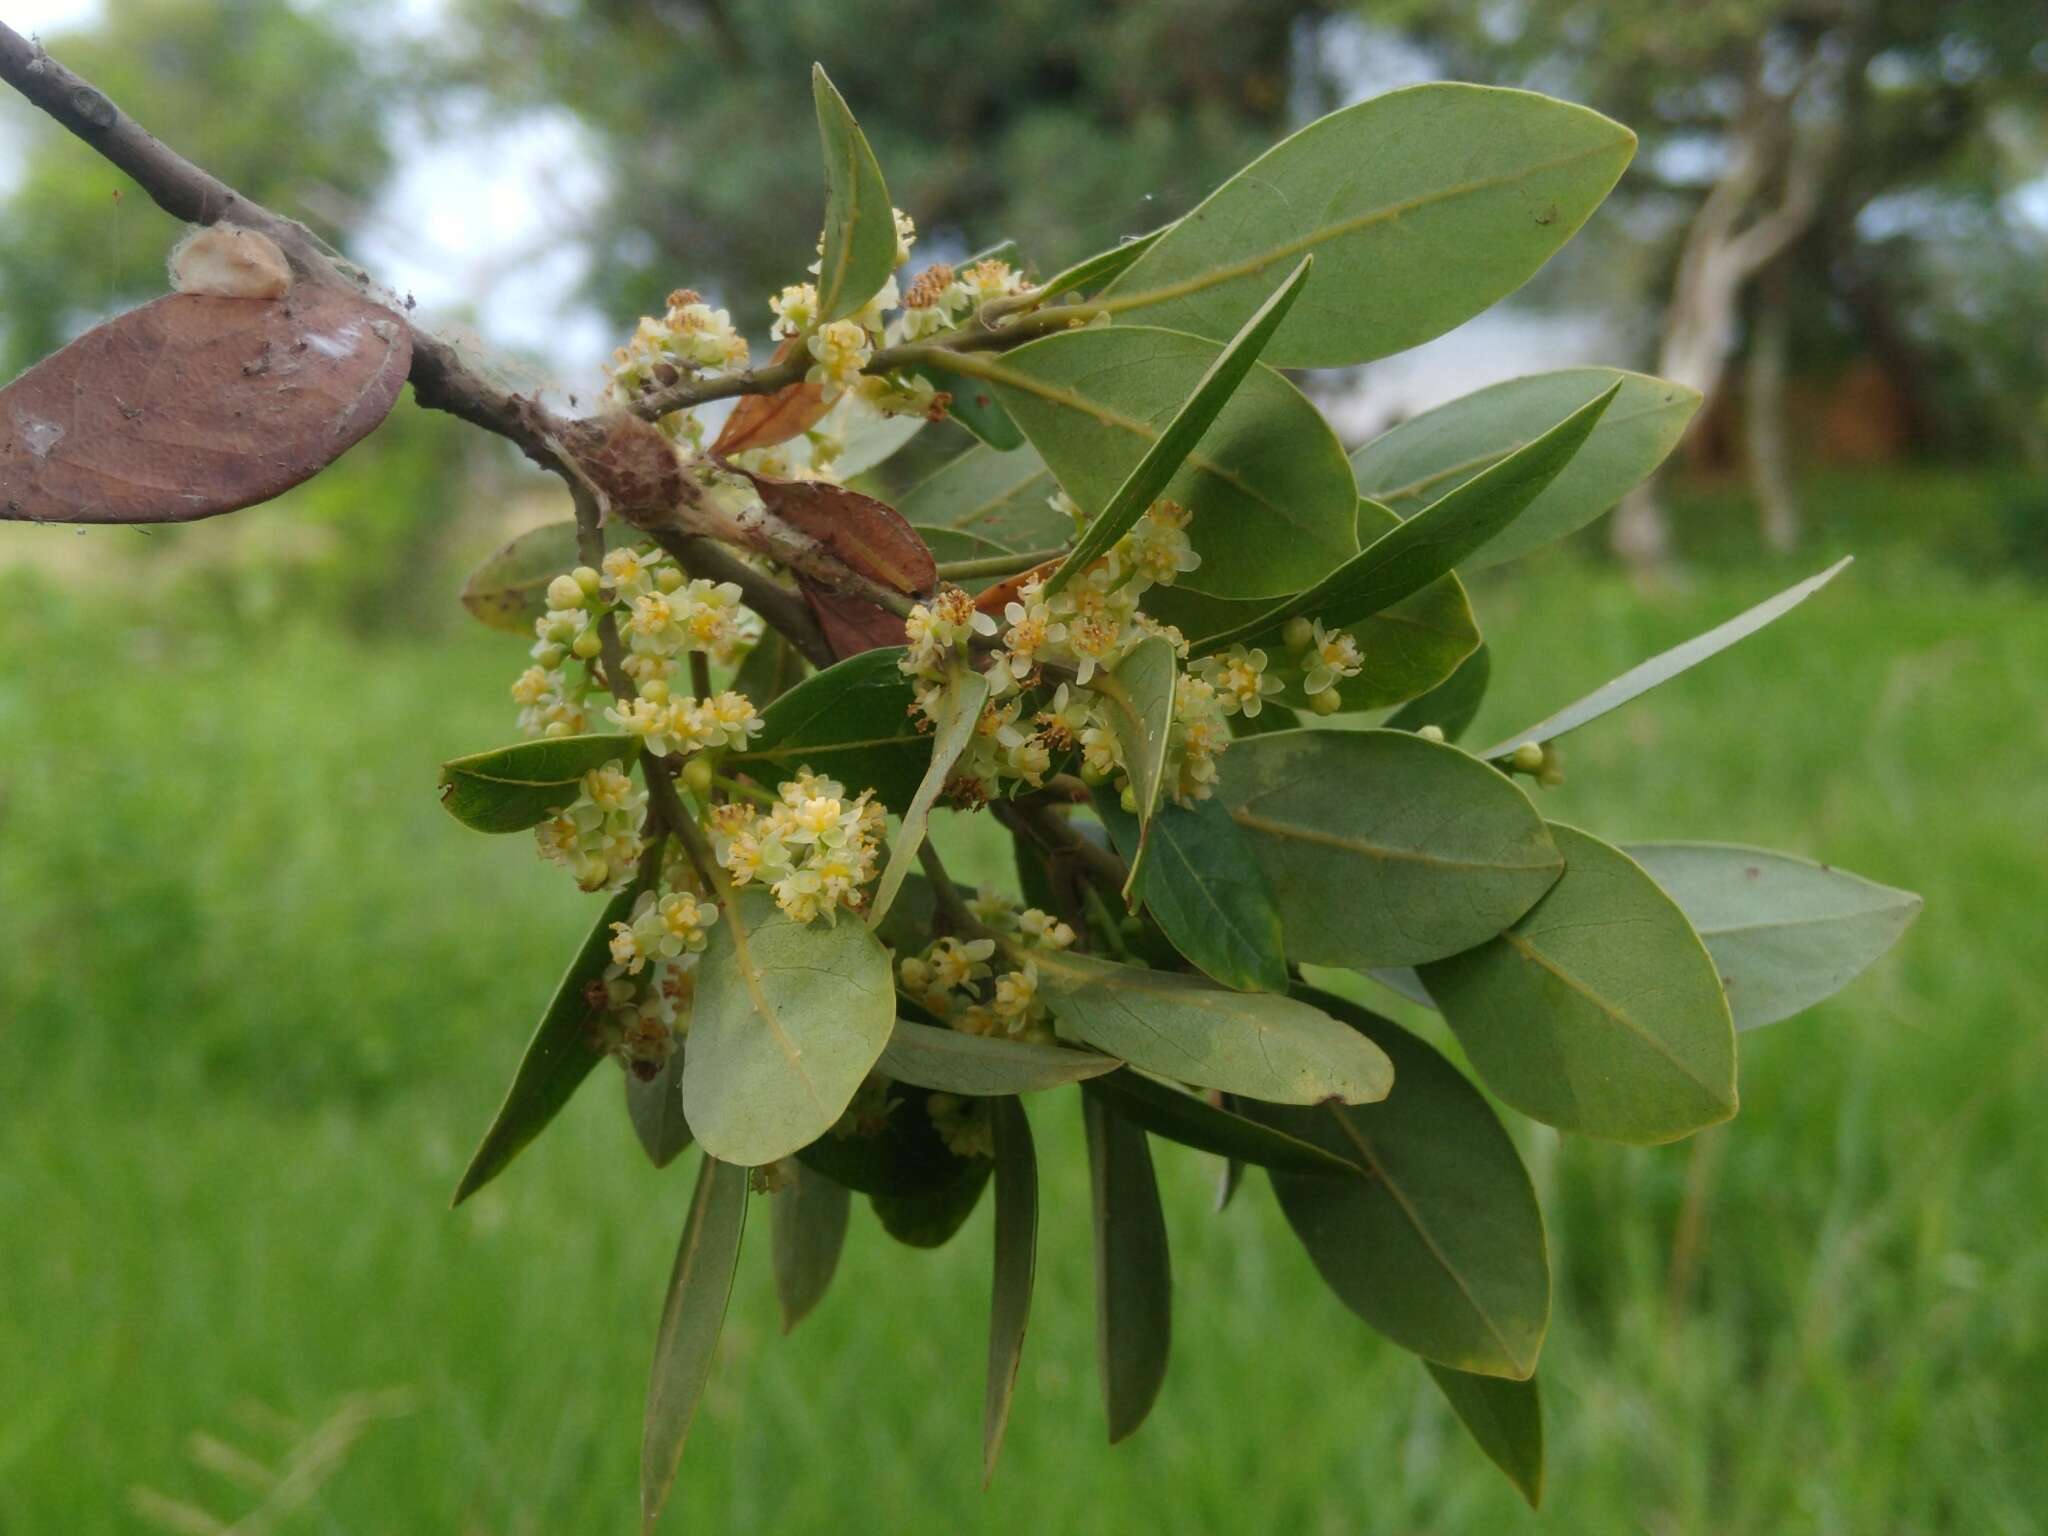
pixel 1599 1011
pixel 1140 694
pixel 655 1108
pixel 1422 207
pixel 1100 269
pixel 1784 933
pixel 1272 512
pixel 1666 665
pixel 1205 890
pixel 1428 456
pixel 558 1058
pixel 809 1229
pixel 1440 1246
pixel 851 721
pixel 1195 1122
pixel 771 669
pixel 1133 1276
pixel 1163 458
pixel 1002 497
pixel 960 706
pixel 1505 1418
pixel 1190 1030
pixel 787 1020
pixel 1407 558
pixel 1227 1182
pixel 509 590
pixel 515 788
pixel 975 406
pixel 1016 1257
pixel 930 1218
pixel 692 1315
pixel 983 1066
pixel 1382 848
pixel 1452 704
pixel 860 225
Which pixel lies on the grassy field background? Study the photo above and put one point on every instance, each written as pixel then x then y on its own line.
pixel 258 995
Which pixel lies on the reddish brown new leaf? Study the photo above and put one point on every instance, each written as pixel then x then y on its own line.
pixel 761 421
pixel 868 535
pixel 191 406
pixel 851 624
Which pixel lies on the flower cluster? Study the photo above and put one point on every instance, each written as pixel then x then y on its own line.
pixel 691 338
pixel 814 847
pixel 596 837
pixel 954 981
pixel 1326 658
pixel 1089 626
pixel 645 993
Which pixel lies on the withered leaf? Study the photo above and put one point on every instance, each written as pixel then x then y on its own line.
pixel 194 405
pixel 761 421
pixel 868 535
pixel 851 624
pixel 994 599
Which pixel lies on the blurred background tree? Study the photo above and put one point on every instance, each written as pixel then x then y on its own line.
pixel 1833 186
pixel 1062 123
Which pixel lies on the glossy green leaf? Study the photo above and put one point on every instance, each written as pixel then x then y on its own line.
pixel 770 670
pixel 1422 207
pixel 1599 1011
pixel 1430 455
pixel 851 721
pixel 1440 1247
pixel 514 788
pixel 1270 490
pixel 1003 497
pixel 699 1286
pixel 1190 1030
pixel 860 225
pixel 787 1020
pixel 1164 456
pixel 1407 558
pixel 929 1218
pixel 655 1108
pixel 1227 1183
pixel 1452 704
pixel 975 406
pixel 1505 1418
pixel 1194 1122
pixel 1139 691
pixel 1101 269
pixel 1785 933
pixel 1661 668
pixel 1205 890
pixel 808 1229
pixel 1016 1258
pixel 1382 848
pixel 1133 1275
pixel 508 590
pixel 960 706
pixel 558 1058
pixel 983 1066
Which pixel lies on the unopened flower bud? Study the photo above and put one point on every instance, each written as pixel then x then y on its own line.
pixel 565 592
pixel 1129 800
pixel 586 645
pixel 551 656
pixel 1326 702
pixel 668 578
pixel 562 631
pixel 697 776
pixel 1551 774
pixel 588 578
pixel 655 690
pixel 1527 758
pixel 1299 634
pixel 1431 733
pixel 557 728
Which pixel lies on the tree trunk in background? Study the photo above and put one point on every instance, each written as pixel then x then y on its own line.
pixel 1727 243
pixel 1765 435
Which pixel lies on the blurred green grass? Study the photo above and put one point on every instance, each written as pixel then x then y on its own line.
pixel 258 995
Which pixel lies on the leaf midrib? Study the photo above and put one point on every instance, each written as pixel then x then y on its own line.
pixel 1252 821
